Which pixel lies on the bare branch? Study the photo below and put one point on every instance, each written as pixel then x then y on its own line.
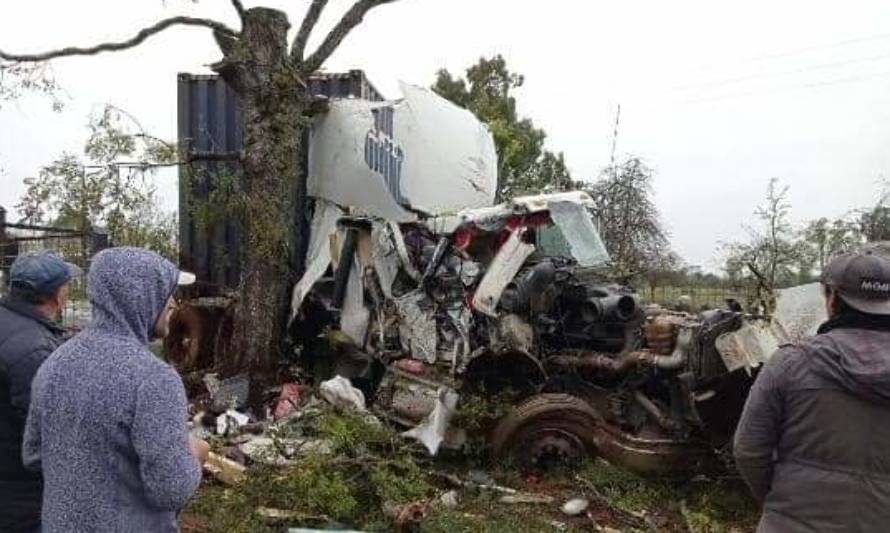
pixel 350 20
pixel 121 45
pixel 309 21
pixel 239 7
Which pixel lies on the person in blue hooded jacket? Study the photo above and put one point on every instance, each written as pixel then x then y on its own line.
pixel 108 419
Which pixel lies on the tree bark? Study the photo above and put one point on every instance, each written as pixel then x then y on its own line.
pixel 272 100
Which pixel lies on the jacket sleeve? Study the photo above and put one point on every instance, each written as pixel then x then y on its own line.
pixel 31 457
pixel 21 373
pixel 757 435
pixel 170 473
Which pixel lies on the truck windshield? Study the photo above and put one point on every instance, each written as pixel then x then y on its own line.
pixel 572 234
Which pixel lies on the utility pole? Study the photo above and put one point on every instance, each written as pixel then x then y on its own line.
pixel 615 135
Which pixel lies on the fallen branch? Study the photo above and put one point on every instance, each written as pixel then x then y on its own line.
pixel 628 517
pixel 134 41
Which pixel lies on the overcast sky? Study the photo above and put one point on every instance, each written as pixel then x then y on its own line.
pixel 717 97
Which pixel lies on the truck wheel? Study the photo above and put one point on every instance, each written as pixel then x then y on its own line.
pixel 545 431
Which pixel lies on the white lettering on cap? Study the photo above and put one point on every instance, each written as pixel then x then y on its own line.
pixel 872 285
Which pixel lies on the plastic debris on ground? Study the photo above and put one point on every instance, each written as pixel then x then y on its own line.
pixel 287 400
pixel 280 452
pixel 431 432
pixel 339 392
pixel 575 506
pixel 230 393
pixel 230 422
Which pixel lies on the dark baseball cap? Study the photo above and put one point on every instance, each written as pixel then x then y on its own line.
pixel 862 280
pixel 41 272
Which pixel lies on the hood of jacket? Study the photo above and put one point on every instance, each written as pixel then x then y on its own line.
pixel 128 288
pixel 857 359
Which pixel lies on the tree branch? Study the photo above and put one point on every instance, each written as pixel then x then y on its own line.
pixel 309 21
pixel 121 45
pixel 239 7
pixel 350 20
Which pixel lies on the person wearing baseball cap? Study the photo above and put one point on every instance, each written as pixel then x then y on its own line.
pixel 813 437
pixel 38 290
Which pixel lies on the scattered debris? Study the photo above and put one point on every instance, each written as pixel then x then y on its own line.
pixel 575 506
pixel 275 514
pixel 339 392
pixel 230 422
pixel 431 432
pixel 230 393
pixel 287 400
pixel 225 470
pixel 525 498
pixel 448 499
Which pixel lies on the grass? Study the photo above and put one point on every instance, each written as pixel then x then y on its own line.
pixel 374 471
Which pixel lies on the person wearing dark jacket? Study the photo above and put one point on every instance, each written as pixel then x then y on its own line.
pixel 107 425
pixel 38 289
pixel 812 442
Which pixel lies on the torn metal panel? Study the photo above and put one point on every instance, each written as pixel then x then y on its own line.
pixel 748 347
pixel 384 258
pixel 799 311
pixel 355 316
pixel 393 159
pixel 577 228
pixel 501 272
pixel 417 326
pixel 431 432
pixel 402 249
pixel 324 224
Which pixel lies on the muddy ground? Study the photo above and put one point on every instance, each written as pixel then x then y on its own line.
pixel 372 479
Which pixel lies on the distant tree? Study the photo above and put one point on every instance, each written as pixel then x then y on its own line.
pixel 771 255
pixel 823 239
pixel 111 186
pixel 629 220
pixel 488 92
pixel 874 222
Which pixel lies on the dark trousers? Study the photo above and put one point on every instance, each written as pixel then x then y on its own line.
pixel 20 503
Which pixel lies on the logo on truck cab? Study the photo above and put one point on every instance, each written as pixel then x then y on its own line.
pixel 383 155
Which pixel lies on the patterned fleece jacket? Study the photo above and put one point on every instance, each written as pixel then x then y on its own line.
pixel 107 424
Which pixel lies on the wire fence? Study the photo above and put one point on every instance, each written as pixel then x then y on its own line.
pixel 699 298
pixel 77 247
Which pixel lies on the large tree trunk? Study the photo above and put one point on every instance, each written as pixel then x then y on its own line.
pixel 272 101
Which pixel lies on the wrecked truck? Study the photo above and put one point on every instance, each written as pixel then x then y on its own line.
pixel 513 299
pixel 427 297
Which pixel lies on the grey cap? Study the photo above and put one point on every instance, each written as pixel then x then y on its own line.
pixel 862 280
pixel 41 272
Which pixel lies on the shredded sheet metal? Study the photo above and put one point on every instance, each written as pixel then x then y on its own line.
pixel 799 311
pixel 503 269
pixel 747 347
pixel 384 258
pixel 431 432
pixel 355 316
pixel 417 327
pixel 578 230
pixel 339 392
pixel 324 223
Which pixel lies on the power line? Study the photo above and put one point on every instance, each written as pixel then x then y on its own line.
pixel 804 50
pixel 802 70
pixel 825 83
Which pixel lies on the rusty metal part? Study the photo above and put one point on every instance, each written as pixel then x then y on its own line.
pixel 654 411
pixel 659 335
pixel 548 428
pixel 595 361
pixel 545 430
